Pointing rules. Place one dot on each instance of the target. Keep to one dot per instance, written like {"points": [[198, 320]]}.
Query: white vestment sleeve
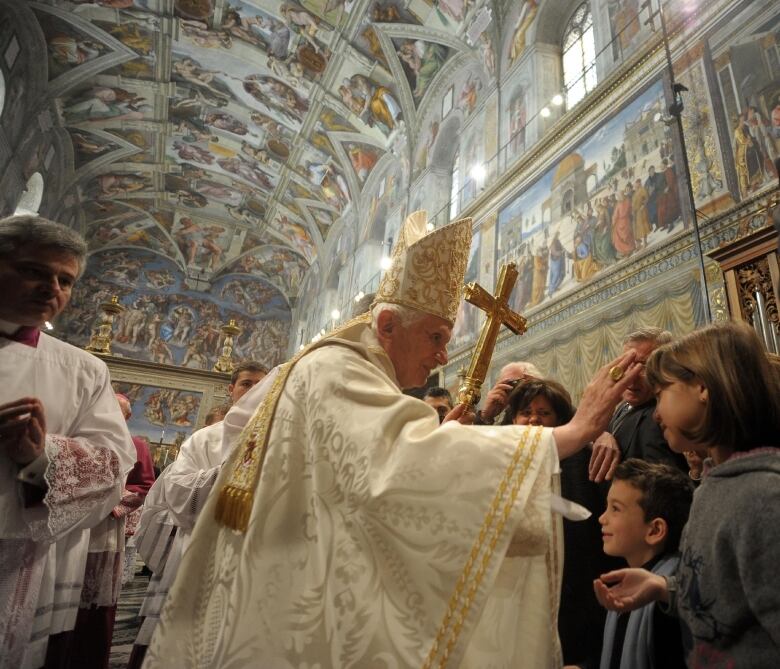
{"points": [[85, 473], [189, 480]]}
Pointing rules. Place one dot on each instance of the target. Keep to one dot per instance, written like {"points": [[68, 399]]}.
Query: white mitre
{"points": [[428, 268]]}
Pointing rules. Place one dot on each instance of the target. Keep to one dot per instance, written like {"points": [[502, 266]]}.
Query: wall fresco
{"points": [[613, 195]]}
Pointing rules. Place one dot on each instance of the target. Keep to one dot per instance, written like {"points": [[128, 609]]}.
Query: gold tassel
{"points": [[234, 507]]}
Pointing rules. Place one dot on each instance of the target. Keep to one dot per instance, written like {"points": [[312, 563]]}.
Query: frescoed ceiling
{"points": [[230, 135]]}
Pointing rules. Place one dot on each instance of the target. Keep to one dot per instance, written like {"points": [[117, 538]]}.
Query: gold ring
{"points": [[616, 373]]}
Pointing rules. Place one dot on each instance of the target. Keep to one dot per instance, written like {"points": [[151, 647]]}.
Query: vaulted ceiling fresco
{"points": [[230, 135]]}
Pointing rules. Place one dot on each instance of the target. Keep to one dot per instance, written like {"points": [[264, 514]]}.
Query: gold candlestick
{"points": [[224, 362], [100, 341]]}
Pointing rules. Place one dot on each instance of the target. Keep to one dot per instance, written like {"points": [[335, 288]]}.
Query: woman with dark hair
{"points": [[539, 402], [580, 618], [717, 391]]}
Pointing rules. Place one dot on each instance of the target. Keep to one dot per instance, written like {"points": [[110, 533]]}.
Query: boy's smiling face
{"points": [[624, 530]]}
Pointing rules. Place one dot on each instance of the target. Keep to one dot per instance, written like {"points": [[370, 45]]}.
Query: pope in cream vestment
{"points": [[377, 538]]}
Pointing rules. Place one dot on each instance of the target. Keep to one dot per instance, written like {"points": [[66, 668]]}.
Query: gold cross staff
{"points": [[498, 314]]}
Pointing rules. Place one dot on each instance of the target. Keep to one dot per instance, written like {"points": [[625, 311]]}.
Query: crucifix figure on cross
{"points": [[498, 314]]}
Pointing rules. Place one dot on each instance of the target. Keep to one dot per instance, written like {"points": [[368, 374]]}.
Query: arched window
{"points": [[455, 186], [30, 201], [579, 56]]}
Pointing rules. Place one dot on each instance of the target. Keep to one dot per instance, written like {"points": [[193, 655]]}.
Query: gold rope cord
{"points": [[458, 610]]}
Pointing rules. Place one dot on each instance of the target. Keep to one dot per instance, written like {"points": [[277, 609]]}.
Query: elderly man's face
{"points": [[639, 392], [36, 284], [415, 350]]}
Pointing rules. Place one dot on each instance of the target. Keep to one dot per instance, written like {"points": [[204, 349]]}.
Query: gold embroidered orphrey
{"points": [[427, 267], [234, 503], [498, 314]]}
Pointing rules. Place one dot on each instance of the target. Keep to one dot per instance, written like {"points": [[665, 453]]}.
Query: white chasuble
{"points": [[88, 453], [377, 538], [169, 514]]}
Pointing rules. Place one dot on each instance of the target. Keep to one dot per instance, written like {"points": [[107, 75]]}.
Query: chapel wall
{"points": [[549, 178]]}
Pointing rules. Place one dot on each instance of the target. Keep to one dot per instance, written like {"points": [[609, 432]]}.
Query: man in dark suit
{"points": [[633, 430]]}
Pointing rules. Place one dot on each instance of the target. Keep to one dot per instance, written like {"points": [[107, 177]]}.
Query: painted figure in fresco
{"points": [[427, 149], [88, 147], [557, 264], [192, 152], [622, 227], [584, 264], [153, 330], [131, 323], [182, 406], [625, 20], [246, 170], [760, 132], [161, 353], [210, 246], [227, 122], [103, 102], [261, 155], [289, 70], [517, 122], [206, 82], [186, 238], [747, 157], [524, 21], [74, 49], [540, 267], [455, 9], [153, 408], [198, 32], [468, 94], [303, 22], [487, 52], [277, 36], [183, 319], [262, 87], [110, 185], [668, 205], [333, 186], [272, 127], [423, 60], [639, 209], [654, 185], [371, 103], [242, 27], [193, 357], [132, 35], [362, 160]]}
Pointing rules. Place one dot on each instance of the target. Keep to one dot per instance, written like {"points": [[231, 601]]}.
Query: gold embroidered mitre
{"points": [[427, 268]]}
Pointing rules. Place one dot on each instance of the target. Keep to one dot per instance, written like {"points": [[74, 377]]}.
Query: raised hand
{"points": [[629, 589], [496, 399], [597, 404]]}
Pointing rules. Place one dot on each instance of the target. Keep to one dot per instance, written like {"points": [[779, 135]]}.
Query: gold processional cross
{"points": [[498, 314]]}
